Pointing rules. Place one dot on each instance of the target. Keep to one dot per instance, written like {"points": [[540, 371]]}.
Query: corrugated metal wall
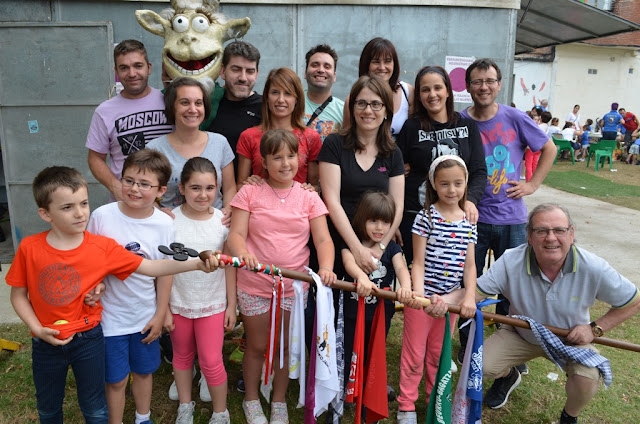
{"points": [[423, 35]]}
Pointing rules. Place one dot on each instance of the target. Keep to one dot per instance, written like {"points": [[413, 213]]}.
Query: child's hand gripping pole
{"points": [[225, 260]]}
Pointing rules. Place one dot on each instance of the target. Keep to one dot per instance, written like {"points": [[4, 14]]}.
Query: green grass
{"points": [[620, 188], [589, 185], [537, 400]]}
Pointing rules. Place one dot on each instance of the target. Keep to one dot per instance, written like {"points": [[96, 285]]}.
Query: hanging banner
{"points": [[456, 67]]}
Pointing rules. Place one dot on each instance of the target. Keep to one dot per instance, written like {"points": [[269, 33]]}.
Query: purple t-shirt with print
{"points": [[505, 138]]}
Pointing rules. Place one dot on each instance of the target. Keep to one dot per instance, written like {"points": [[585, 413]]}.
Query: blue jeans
{"points": [[498, 238], [85, 354]]}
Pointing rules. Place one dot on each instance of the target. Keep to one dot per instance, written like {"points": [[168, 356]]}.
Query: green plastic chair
{"points": [[601, 150], [563, 145]]}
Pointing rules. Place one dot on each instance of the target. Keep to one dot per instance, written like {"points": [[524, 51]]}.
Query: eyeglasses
{"points": [[491, 82], [375, 105], [128, 182], [543, 232]]}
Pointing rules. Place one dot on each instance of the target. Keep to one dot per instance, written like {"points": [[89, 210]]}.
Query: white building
{"points": [[593, 74]]}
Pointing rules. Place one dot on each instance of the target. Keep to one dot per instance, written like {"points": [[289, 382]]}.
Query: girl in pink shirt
{"points": [[271, 223]]}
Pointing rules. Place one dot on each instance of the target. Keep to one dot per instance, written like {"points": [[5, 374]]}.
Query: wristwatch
{"points": [[382, 246], [597, 330]]}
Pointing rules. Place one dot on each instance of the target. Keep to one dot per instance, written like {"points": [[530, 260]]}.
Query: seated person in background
{"points": [[590, 124], [569, 133], [554, 128], [634, 149], [545, 118]]}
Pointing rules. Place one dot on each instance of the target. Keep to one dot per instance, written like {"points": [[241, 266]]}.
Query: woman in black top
{"points": [[435, 129], [362, 157]]}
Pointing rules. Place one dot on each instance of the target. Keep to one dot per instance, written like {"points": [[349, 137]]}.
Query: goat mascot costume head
{"points": [[194, 36]]}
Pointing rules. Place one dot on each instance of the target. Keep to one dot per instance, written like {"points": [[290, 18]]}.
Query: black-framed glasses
{"points": [[142, 186], [543, 232], [491, 82], [375, 105]]}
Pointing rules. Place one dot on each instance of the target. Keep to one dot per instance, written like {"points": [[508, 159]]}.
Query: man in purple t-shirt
{"points": [[506, 133], [127, 122]]}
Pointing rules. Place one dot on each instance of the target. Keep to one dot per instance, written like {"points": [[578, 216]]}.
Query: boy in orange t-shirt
{"points": [[50, 276]]}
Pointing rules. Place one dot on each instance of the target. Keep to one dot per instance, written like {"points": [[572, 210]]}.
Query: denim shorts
{"points": [[127, 353]]}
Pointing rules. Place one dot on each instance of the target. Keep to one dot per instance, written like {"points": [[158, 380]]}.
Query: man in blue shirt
{"points": [[609, 123]]}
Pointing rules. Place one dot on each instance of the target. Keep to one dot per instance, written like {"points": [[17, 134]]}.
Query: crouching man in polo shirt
{"points": [[554, 282]]}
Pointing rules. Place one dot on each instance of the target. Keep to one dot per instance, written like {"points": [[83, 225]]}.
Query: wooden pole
{"points": [[391, 295]]}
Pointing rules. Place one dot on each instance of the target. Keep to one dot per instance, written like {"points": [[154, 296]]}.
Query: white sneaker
{"points": [[185, 413], [407, 417], [279, 413], [205, 396], [454, 367], [220, 418], [253, 412], [173, 390]]}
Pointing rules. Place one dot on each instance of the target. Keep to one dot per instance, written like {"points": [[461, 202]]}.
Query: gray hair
{"points": [[546, 207]]}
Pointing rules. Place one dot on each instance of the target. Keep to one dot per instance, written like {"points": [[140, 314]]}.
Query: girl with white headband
{"points": [[443, 238]]}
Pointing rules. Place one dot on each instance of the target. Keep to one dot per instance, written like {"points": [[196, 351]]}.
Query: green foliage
{"points": [[589, 185]]}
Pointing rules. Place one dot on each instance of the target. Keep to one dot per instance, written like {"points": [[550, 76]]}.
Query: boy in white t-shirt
{"points": [[132, 318]]}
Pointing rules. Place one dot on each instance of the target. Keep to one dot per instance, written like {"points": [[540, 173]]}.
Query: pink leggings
{"points": [[422, 337], [207, 335]]}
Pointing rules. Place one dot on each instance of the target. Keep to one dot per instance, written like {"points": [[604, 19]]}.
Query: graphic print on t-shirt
{"points": [[376, 277], [134, 247], [323, 127], [59, 284], [136, 130], [499, 162], [444, 145]]}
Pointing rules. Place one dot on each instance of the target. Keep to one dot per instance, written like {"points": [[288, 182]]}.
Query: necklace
{"points": [[282, 199]]}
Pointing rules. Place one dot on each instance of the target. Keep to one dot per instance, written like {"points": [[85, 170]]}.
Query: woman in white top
{"points": [[574, 117], [569, 133], [380, 59]]}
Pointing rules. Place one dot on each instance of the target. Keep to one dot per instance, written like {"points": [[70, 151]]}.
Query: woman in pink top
{"points": [[271, 222], [282, 108]]}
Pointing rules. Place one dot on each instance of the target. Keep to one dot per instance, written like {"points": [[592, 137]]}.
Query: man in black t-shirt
{"points": [[241, 107]]}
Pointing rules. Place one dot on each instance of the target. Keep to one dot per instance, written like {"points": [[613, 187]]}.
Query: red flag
{"points": [[354, 386], [375, 388]]}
